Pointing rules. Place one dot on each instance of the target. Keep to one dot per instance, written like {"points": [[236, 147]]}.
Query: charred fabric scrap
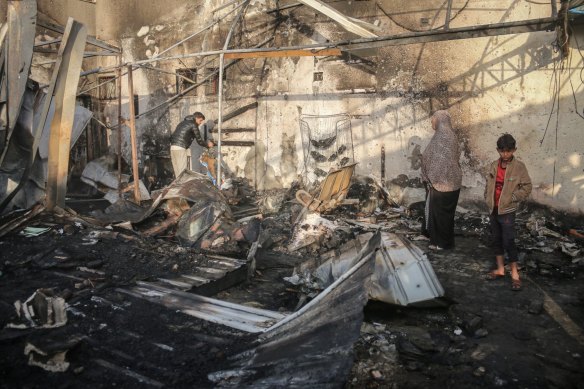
{"points": [[200, 211]]}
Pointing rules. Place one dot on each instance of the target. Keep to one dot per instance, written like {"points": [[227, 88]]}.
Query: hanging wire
{"points": [[558, 69], [580, 75], [554, 98], [418, 30]]}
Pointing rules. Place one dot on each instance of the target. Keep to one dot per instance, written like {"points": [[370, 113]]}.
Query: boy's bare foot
{"points": [[495, 275], [515, 284]]}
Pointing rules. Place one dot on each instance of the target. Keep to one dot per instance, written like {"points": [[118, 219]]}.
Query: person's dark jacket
{"points": [[185, 132]]}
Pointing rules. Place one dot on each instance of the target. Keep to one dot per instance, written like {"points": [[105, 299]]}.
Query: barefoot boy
{"points": [[508, 183]]}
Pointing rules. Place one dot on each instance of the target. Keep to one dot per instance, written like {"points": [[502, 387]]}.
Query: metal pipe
{"points": [[119, 129], [225, 5], [195, 34], [448, 11], [220, 96], [177, 96], [220, 118], [467, 32], [91, 71]]}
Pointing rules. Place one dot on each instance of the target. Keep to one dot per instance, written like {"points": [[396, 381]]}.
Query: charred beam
{"points": [[65, 85], [286, 53], [243, 143], [239, 111], [484, 30], [234, 130], [90, 39]]}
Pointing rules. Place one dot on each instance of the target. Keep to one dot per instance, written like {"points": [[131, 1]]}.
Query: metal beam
{"points": [[20, 41], [90, 39], [286, 53], [239, 111], [543, 24], [62, 124], [340, 18], [235, 130], [448, 12], [242, 143], [87, 53], [58, 40], [484, 30], [220, 92]]}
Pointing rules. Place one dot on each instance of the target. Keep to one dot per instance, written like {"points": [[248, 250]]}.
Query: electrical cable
{"points": [[424, 30], [554, 78], [580, 74]]}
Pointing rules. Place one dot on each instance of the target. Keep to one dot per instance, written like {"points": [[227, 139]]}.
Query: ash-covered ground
{"points": [[481, 334]]}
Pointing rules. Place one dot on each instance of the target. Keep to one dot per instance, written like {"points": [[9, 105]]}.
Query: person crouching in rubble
{"points": [[442, 176], [182, 138], [508, 184]]}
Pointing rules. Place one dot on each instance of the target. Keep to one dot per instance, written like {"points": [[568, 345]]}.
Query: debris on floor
{"points": [[250, 289], [43, 309], [100, 174]]}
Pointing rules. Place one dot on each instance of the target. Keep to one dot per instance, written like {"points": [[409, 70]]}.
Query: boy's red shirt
{"points": [[499, 181]]}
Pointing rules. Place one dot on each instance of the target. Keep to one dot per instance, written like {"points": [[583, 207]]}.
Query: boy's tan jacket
{"points": [[516, 188]]}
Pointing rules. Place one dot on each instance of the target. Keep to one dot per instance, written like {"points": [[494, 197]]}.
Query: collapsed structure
{"points": [[320, 112]]}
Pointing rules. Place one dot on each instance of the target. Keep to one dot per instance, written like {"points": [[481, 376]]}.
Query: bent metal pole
{"points": [[220, 96]]}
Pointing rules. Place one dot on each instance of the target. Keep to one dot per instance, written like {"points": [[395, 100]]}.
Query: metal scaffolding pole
{"points": [[119, 127], [220, 96], [133, 137]]}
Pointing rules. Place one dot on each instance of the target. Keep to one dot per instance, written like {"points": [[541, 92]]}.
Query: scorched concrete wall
{"points": [[510, 83]]}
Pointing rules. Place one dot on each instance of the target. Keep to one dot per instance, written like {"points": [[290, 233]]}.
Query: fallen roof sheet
{"points": [[236, 316], [403, 274], [312, 347]]}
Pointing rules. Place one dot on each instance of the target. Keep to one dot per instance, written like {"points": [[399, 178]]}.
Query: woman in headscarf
{"points": [[443, 177]]}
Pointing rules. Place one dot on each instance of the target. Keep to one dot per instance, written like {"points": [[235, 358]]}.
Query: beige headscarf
{"points": [[440, 166]]}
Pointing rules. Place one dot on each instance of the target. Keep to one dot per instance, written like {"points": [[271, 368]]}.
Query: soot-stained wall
{"points": [[510, 83]]}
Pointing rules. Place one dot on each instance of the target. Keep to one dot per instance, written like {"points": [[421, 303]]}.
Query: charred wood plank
{"points": [[233, 130], [238, 143], [90, 39], [239, 111], [230, 279], [12, 225]]}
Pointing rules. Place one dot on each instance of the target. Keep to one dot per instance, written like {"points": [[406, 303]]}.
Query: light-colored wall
{"points": [[58, 11], [491, 85]]}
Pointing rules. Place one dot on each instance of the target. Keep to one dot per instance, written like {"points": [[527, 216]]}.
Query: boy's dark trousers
{"points": [[503, 230]]}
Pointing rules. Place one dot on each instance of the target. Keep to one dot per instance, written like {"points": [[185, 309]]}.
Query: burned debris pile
{"points": [[83, 275], [235, 283]]}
